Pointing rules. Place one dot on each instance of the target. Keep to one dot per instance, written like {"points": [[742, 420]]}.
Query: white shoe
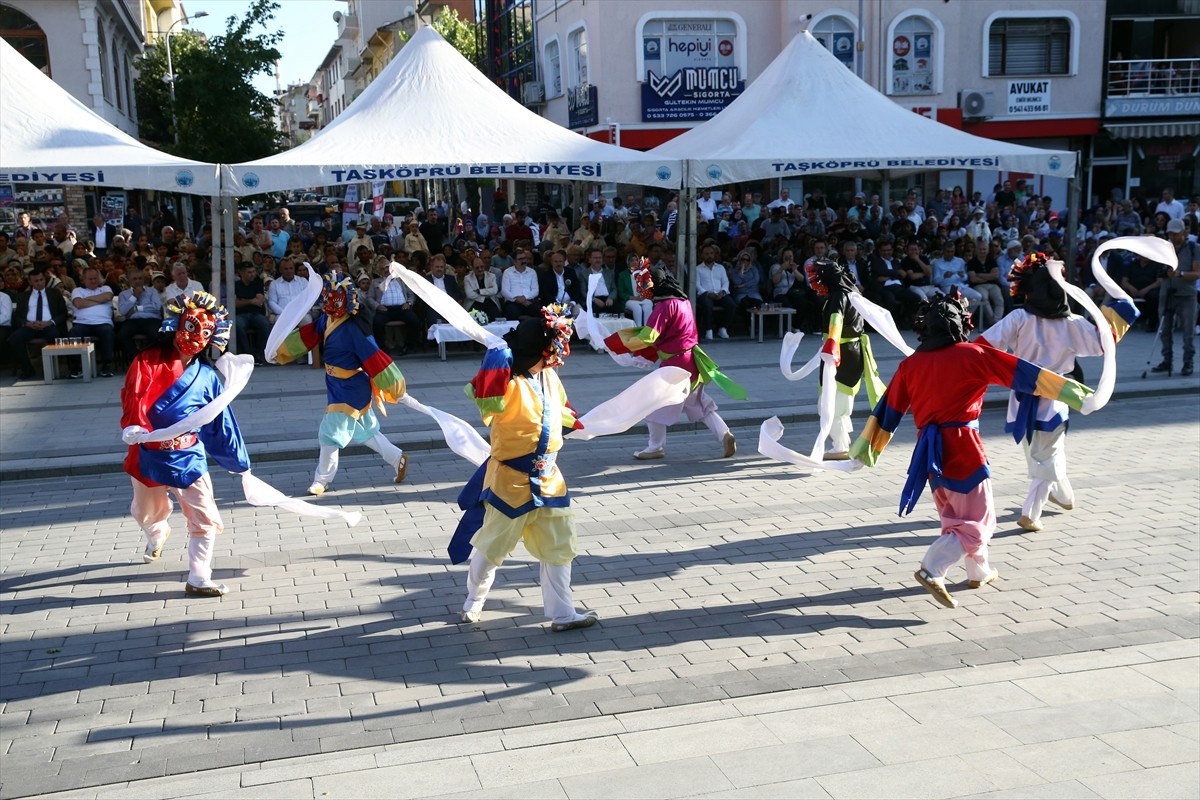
{"points": [[723, 334], [649, 455], [471, 617], [585, 620], [708, 336], [730, 445], [317, 488], [154, 547]]}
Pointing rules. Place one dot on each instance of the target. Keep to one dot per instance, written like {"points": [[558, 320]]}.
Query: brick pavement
{"points": [[715, 581]]}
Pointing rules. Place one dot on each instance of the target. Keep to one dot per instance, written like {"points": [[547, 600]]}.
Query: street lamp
{"points": [[170, 76]]}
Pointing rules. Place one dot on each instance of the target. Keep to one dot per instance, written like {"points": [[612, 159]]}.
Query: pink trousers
{"points": [[968, 522], [151, 507]]}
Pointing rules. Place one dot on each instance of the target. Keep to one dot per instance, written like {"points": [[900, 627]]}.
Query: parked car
{"points": [[398, 207]]}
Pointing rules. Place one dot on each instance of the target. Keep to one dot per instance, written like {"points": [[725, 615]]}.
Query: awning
{"points": [[1151, 130]]}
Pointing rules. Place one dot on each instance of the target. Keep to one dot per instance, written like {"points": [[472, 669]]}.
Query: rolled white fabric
{"points": [[881, 320], [791, 343], [260, 493], [444, 305], [236, 372], [1151, 247], [293, 312], [768, 444], [826, 401], [462, 439], [664, 387]]}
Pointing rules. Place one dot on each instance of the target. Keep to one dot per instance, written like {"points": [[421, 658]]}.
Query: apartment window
{"points": [[671, 44], [837, 34], [914, 57], [102, 46], [578, 44], [25, 36], [552, 67], [1029, 46]]}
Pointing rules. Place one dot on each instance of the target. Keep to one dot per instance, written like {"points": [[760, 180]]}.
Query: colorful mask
{"points": [[197, 321], [643, 284], [338, 297]]}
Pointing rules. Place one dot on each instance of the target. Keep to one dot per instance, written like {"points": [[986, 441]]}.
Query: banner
{"points": [[1028, 97], [583, 107], [112, 208], [350, 205], [377, 189], [690, 94]]}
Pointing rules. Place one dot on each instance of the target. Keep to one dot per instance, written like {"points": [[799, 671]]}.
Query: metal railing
{"points": [[1140, 78]]}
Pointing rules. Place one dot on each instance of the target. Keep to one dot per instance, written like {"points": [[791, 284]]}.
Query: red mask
{"points": [[195, 331], [334, 304]]}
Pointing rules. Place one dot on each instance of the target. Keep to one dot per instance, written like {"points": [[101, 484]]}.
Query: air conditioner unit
{"points": [[535, 92], [977, 103]]}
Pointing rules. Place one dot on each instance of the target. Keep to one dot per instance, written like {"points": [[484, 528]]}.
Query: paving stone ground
{"points": [[720, 584]]}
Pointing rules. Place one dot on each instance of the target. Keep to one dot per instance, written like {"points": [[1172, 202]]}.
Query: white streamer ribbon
{"points": [[768, 444], [462, 439], [881, 320], [596, 333], [293, 312], [1153, 248], [235, 370], [444, 305], [666, 386], [260, 493]]}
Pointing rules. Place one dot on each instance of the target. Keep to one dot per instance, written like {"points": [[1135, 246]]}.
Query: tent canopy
{"points": [[47, 136], [807, 114], [432, 115]]}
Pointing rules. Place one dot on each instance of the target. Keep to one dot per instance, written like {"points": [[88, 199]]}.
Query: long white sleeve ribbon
{"points": [[596, 333], [881, 320], [293, 312], [260, 493], [462, 439], [235, 370], [666, 386], [444, 305], [768, 444], [1153, 248]]}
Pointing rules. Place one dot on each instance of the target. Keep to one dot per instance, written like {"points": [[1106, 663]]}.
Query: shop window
{"points": [[552, 69], [914, 56], [25, 36], [577, 42], [1029, 46], [669, 44], [836, 33]]}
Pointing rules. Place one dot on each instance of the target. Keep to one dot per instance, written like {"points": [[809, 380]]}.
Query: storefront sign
{"points": [[583, 107], [689, 94], [1028, 97], [1151, 106], [927, 110]]}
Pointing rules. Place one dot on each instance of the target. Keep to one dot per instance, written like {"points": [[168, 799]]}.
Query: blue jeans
{"points": [[260, 327]]}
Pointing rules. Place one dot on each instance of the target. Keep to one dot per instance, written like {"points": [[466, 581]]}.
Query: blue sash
{"points": [[1025, 422], [926, 461]]}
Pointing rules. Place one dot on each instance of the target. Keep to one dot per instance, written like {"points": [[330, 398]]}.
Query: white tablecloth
{"points": [[442, 333]]}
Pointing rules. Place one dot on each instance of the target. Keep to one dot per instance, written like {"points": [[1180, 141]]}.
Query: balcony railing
{"points": [[1173, 76]]}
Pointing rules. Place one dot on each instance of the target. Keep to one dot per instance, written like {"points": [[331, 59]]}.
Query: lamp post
{"points": [[170, 76]]}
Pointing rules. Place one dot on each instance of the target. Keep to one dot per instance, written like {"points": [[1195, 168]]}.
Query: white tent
{"points": [[807, 114], [49, 137], [432, 115]]}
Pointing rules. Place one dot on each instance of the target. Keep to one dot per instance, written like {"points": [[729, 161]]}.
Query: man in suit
{"points": [[40, 313], [559, 284], [443, 280], [885, 285], [102, 234]]}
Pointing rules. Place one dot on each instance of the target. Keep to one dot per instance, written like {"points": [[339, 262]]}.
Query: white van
{"points": [[398, 207]]}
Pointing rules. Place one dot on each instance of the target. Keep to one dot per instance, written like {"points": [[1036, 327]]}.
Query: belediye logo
{"points": [[184, 178], [1055, 163], [250, 180], [663, 173]]}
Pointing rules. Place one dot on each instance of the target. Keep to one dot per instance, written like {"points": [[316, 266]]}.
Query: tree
{"points": [[220, 116], [462, 35]]}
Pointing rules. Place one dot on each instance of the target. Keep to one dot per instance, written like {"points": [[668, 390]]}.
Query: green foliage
{"points": [[461, 34], [221, 116]]}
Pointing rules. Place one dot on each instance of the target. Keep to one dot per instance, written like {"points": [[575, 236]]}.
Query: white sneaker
{"points": [[722, 333], [317, 488], [708, 336], [648, 454], [154, 547]]}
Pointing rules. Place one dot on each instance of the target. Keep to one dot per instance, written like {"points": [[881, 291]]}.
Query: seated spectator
{"points": [[284, 289], [558, 284], [885, 285], [142, 309], [983, 273], [6, 320], [787, 280], [714, 306], [916, 272], [414, 241], [744, 281], [251, 304], [444, 281], [519, 288], [14, 282], [636, 307], [38, 313], [181, 283], [395, 303], [366, 303], [605, 299], [950, 272], [94, 318], [977, 228], [482, 290], [853, 261]]}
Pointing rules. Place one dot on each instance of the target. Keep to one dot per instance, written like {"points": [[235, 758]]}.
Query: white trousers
{"points": [[712, 420], [1046, 459], [841, 427], [947, 550], [640, 309], [557, 601], [327, 462]]}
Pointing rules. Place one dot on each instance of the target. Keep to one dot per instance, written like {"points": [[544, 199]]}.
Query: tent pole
{"points": [[693, 243], [231, 303], [1069, 254], [216, 203], [681, 222]]}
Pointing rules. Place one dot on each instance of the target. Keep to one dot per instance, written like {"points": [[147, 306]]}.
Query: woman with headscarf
{"points": [[943, 384], [1043, 330], [518, 493], [670, 339]]}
